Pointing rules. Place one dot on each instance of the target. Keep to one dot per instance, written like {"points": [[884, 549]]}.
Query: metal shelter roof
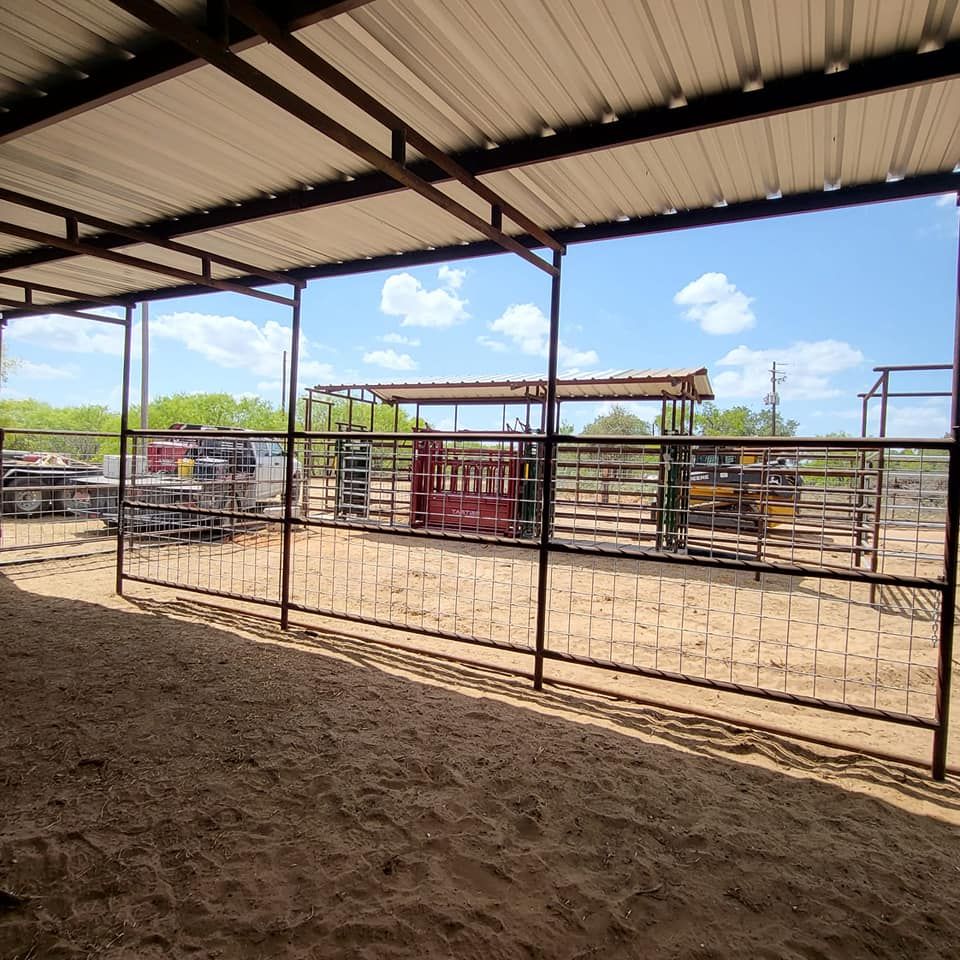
{"points": [[592, 117], [691, 383]]}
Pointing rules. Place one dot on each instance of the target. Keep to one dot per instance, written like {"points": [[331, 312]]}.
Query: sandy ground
{"points": [[800, 636], [174, 787]]}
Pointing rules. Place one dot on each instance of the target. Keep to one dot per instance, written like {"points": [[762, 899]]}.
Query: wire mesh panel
{"points": [[806, 571], [45, 479], [204, 510], [798, 637], [442, 543]]}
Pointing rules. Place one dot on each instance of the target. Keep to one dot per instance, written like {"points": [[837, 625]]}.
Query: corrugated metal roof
{"points": [[466, 73], [690, 382]]}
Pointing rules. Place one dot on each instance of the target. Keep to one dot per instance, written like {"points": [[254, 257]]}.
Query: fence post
{"points": [[286, 555], [546, 481], [951, 542], [124, 427]]}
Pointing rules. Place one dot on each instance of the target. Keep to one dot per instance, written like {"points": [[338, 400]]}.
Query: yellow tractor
{"points": [[742, 489]]}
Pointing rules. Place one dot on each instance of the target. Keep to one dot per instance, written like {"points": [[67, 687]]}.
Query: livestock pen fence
{"points": [[625, 560], [44, 476]]}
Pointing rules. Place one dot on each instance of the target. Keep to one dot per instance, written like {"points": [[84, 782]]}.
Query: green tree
{"points": [[214, 410], [618, 422], [739, 421]]}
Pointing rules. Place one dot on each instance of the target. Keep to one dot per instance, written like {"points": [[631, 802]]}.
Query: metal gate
{"points": [[465, 489], [353, 478]]}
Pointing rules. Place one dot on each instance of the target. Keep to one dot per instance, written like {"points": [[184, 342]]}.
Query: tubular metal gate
{"points": [[778, 588]]}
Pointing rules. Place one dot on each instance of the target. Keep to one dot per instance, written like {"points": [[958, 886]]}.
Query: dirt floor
{"points": [[175, 781]]}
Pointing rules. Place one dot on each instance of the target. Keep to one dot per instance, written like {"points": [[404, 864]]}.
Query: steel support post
{"points": [[124, 427], [286, 554], [546, 480], [951, 542]]}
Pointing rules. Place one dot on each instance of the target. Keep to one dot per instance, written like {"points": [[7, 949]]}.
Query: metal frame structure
{"points": [[185, 46], [881, 391]]}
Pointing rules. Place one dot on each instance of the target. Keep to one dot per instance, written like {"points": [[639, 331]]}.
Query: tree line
{"points": [[708, 421], [255, 413], [206, 409]]}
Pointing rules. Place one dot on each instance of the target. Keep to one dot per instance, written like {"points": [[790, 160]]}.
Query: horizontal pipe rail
{"points": [[764, 693], [850, 575]]}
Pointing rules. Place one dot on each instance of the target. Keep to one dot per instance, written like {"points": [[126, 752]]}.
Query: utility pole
{"points": [[283, 385], [773, 398]]}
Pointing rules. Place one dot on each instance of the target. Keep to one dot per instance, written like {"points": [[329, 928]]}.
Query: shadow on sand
{"points": [[171, 787]]}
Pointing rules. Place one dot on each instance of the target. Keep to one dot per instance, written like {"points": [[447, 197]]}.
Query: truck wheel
{"points": [[25, 497]]}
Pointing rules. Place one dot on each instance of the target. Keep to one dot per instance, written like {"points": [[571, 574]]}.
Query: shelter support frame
{"points": [[216, 51], [549, 440]]}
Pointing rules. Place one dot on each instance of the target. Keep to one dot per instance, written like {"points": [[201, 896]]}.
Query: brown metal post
{"points": [[286, 552], [951, 541], [124, 428], [878, 499], [394, 515], [546, 480]]}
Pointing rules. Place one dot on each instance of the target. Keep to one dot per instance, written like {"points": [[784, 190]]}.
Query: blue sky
{"points": [[827, 295]]}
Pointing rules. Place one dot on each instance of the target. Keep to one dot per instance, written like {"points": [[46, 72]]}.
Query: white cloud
{"points": [[390, 359], [401, 339], [808, 366], [946, 200], [492, 344], [235, 343], [69, 334], [404, 296], [451, 277], [28, 370], [528, 327], [268, 389], [930, 418], [716, 304]]}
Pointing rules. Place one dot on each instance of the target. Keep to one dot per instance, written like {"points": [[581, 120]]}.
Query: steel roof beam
{"points": [[161, 19], [925, 185], [803, 91], [74, 244], [66, 311], [135, 235], [28, 288], [163, 61], [404, 135]]}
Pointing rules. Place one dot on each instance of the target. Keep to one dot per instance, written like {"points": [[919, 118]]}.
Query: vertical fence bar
{"points": [[951, 541], [878, 499], [285, 556], [124, 427], [546, 481]]}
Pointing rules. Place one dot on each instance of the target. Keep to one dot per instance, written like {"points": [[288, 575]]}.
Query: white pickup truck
{"points": [[212, 472]]}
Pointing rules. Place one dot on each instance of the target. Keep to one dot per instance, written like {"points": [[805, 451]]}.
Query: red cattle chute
{"points": [[465, 489]]}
